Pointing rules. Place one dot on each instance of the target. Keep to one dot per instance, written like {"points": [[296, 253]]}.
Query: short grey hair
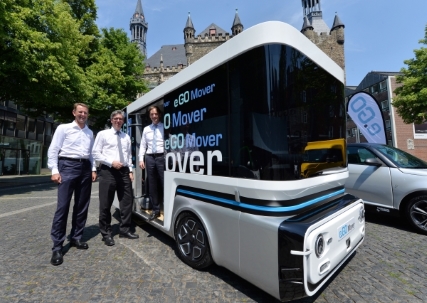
{"points": [[117, 112]]}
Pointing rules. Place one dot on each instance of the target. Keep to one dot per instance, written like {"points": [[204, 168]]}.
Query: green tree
{"points": [[115, 76], [411, 99], [40, 47]]}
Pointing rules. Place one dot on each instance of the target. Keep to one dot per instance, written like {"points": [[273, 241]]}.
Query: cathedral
{"points": [[171, 59]]}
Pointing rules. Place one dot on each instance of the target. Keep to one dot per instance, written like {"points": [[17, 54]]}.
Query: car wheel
{"points": [[416, 213], [192, 241]]}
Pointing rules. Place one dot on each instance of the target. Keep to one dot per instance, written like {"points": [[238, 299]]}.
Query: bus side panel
{"points": [[221, 225], [259, 251]]}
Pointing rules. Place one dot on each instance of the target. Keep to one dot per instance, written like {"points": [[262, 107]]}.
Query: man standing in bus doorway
{"points": [[112, 149], [152, 147], [73, 170]]}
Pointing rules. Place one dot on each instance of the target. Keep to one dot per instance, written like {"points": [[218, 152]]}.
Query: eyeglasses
{"points": [[118, 119]]}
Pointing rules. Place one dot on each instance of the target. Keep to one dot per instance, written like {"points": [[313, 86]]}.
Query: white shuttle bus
{"points": [[255, 162]]}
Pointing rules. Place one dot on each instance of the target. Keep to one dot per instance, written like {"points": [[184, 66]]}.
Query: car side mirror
{"points": [[373, 162]]}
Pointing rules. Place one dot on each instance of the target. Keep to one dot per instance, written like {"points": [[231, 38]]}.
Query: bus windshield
{"points": [[253, 116]]}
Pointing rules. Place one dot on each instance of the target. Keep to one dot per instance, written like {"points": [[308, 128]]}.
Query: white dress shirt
{"points": [[70, 141], [105, 149], [146, 146]]}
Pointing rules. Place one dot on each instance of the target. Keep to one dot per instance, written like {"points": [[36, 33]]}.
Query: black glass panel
{"points": [[282, 103], [196, 125]]}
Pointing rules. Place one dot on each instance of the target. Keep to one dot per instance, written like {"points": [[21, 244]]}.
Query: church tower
{"points": [[138, 28], [331, 41], [189, 32]]}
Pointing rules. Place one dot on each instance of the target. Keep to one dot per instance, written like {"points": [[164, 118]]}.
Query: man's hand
{"points": [[141, 164], [56, 178], [117, 165], [131, 176], [93, 176]]}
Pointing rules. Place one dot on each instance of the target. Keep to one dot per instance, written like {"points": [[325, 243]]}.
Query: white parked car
{"points": [[390, 180]]}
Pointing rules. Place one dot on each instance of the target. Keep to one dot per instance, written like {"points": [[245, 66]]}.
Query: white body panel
{"points": [[336, 247]]}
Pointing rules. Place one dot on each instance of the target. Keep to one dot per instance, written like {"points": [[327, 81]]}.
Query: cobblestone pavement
{"points": [[390, 266]]}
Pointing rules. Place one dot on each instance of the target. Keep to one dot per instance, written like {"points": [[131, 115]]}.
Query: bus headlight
{"points": [[319, 246], [361, 214]]}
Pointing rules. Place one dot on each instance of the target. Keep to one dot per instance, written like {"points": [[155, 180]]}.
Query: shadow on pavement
{"points": [[19, 188], [389, 221]]}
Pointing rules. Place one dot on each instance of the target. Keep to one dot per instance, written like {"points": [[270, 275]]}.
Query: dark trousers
{"points": [[155, 165], [113, 180], [76, 177]]}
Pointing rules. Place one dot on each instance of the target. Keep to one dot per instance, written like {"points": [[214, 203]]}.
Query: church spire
{"points": [[237, 26], [139, 28], [138, 9], [189, 30]]}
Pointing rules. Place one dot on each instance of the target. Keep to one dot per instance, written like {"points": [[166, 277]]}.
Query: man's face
{"points": [[154, 116], [117, 121], [81, 114]]}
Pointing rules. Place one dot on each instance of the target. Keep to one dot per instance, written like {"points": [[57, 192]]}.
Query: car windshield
{"points": [[401, 158]]}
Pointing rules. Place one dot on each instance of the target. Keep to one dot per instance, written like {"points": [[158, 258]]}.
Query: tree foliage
{"points": [[53, 55], [116, 74], [411, 100], [40, 43]]}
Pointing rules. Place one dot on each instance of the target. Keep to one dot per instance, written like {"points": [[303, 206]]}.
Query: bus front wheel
{"points": [[192, 241]]}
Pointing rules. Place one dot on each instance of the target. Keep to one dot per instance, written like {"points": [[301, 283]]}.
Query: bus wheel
{"points": [[192, 241]]}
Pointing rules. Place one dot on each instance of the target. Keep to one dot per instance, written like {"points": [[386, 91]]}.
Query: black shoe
{"points": [[153, 216], [57, 258], [78, 244], [128, 235], [108, 240]]}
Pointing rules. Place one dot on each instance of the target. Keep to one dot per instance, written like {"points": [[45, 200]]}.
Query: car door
{"points": [[371, 183]]}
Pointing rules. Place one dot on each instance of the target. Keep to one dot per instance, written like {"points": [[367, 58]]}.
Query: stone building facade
{"points": [[171, 59], [330, 41]]}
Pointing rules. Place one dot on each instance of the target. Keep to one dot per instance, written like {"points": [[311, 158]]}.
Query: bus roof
{"points": [[260, 34]]}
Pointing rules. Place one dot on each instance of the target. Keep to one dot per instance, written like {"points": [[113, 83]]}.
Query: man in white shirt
{"points": [[112, 149], [152, 147], [73, 169]]}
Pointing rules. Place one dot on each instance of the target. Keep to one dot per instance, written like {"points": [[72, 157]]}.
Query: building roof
{"points": [[350, 90], [236, 20], [219, 30], [138, 8], [319, 25], [172, 56], [306, 24], [189, 23], [337, 22], [374, 77]]}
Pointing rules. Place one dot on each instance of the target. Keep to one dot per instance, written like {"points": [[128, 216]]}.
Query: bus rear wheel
{"points": [[192, 241]]}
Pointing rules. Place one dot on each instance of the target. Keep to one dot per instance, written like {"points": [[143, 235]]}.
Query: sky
{"points": [[379, 34]]}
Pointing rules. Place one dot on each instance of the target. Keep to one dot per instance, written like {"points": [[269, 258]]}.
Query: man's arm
{"points": [[53, 153], [97, 150], [142, 149]]}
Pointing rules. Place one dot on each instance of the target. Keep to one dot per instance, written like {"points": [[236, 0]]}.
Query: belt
{"points": [[156, 155], [74, 159]]}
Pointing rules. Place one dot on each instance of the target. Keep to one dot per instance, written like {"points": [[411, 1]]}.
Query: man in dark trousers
{"points": [[112, 149], [152, 147], [73, 169]]}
